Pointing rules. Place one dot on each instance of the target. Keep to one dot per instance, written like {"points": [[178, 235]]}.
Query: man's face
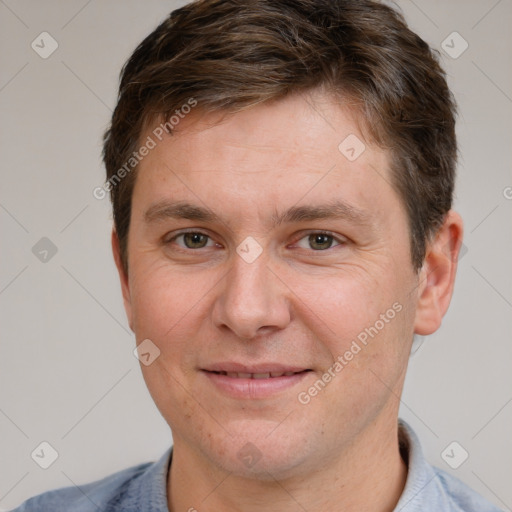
{"points": [[263, 285]]}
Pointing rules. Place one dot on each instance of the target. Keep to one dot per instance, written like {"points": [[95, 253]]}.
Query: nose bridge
{"points": [[251, 298]]}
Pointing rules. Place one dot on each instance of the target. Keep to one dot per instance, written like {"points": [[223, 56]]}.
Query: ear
{"points": [[123, 277], [437, 276]]}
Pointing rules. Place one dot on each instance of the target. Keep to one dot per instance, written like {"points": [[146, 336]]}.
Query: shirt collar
{"points": [[151, 489], [421, 485]]}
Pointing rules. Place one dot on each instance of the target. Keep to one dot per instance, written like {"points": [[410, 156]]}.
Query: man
{"points": [[281, 176]]}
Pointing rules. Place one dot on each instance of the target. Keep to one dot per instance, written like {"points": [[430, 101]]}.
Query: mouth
{"points": [[261, 375], [259, 382]]}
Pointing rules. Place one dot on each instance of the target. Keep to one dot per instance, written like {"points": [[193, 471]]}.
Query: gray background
{"points": [[67, 372]]}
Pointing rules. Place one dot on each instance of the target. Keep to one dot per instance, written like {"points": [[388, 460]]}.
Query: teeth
{"points": [[260, 375], [239, 375]]}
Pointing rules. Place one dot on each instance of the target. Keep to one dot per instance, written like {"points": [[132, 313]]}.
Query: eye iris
{"points": [[194, 240], [319, 239]]}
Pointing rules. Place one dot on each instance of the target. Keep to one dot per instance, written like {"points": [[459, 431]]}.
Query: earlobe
{"points": [[437, 276], [123, 277]]}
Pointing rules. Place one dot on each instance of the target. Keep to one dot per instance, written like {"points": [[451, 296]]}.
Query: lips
{"points": [[250, 382]]}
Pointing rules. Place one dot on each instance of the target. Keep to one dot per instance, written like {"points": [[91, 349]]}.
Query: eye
{"points": [[192, 240], [318, 241]]}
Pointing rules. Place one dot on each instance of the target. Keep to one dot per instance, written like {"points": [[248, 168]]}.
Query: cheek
{"points": [[165, 301], [364, 319], [344, 303], [169, 309]]}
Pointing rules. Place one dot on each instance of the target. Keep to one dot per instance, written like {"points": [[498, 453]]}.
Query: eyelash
{"points": [[335, 238]]}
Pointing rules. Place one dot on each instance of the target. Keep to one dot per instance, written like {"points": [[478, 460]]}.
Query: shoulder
{"points": [[90, 497], [137, 488], [429, 488], [461, 497]]}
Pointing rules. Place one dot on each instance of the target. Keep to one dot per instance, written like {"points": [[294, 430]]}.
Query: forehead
{"points": [[301, 125], [301, 149]]}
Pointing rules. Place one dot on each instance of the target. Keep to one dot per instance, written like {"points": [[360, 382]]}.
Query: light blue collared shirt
{"points": [[143, 488]]}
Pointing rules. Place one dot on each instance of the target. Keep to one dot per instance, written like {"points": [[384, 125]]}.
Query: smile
{"points": [[258, 384]]}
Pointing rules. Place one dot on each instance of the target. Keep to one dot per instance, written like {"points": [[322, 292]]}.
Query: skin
{"points": [[301, 303]]}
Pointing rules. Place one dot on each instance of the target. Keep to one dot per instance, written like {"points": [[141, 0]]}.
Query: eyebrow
{"points": [[337, 210]]}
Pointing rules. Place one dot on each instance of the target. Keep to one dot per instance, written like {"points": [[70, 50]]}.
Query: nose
{"points": [[252, 300]]}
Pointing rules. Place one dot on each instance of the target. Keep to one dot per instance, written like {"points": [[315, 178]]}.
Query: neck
{"points": [[368, 476]]}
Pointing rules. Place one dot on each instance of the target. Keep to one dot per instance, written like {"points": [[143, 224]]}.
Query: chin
{"points": [[257, 451]]}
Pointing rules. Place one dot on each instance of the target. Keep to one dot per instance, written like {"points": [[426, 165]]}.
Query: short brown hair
{"points": [[233, 54]]}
